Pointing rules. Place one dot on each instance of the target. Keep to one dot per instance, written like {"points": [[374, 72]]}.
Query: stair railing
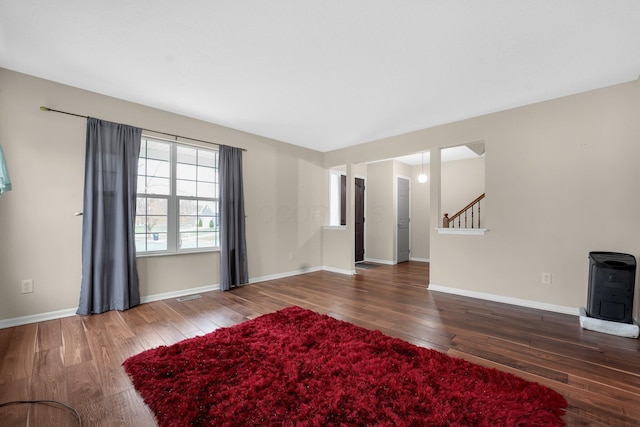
{"points": [[463, 216]]}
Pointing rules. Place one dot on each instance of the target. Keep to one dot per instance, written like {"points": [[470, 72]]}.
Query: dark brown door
{"points": [[359, 219]]}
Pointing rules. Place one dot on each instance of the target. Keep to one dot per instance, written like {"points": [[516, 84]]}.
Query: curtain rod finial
{"points": [[43, 108]]}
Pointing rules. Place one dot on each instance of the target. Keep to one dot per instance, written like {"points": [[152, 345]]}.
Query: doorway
{"points": [[358, 213]]}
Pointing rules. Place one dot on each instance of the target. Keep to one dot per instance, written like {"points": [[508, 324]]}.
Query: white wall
{"points": [[285, 197]]}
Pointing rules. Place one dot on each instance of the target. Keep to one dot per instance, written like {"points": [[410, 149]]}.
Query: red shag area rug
{"points": [[295, 367]]}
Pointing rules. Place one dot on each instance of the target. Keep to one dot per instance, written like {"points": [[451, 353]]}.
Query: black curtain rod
{"points": [[43, 108]]}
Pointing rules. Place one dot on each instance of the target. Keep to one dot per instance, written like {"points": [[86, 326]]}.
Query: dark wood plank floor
{"points": [[77, 360]]}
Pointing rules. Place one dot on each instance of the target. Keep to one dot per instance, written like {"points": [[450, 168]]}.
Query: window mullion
{"points": [[174, 217]]}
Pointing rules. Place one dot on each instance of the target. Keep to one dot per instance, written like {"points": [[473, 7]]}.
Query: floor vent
{"points": [[188, 298]]}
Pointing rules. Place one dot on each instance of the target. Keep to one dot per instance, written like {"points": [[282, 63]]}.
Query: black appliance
{"points": [[611, 285]]}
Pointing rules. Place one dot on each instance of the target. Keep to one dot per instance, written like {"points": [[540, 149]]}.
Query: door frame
{"points": [[364, 216]]}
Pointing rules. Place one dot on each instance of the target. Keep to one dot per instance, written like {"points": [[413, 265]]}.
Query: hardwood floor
{"points": [[77, 360]]}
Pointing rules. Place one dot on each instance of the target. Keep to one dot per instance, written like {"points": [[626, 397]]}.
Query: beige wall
{"points": [[337, 241], [380, 212], [360, 170], [285, 195], [561, 180], [381, 209], [462, 182], [420, 205], [400, 170]]}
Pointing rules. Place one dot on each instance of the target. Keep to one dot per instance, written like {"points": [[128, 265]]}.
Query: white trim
{"points": [[574, 311], [380, 261], [283, 275], [334, 227], [364, 207], [334, 198], [178, 294], [468, 231], [419, 259], [182, 252], [52, 315], [35, 318], [339, 270], [59, 314]]}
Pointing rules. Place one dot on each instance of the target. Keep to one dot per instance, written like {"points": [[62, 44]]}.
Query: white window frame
{"points": [[173, 203], [335, 204]]}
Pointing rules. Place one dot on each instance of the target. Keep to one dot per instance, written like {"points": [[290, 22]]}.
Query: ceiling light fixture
{"points": [[422, 178]]}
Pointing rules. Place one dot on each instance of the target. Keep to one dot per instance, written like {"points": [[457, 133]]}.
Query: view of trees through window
{"points": [[177, 203]]}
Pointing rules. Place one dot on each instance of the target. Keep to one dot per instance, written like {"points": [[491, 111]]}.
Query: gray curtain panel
{"points": [[233, 246], [109, 274]]}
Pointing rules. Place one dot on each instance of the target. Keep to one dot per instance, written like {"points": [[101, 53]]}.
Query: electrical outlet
{"points": [[27, 286], [546, 278]]}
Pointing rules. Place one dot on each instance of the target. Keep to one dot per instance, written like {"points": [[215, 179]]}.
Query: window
{"points": [[177, 203], [335, 204], [338, 198]]}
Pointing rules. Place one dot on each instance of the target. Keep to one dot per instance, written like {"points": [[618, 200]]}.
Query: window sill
{"points": [[467, 231], [185, 252], [334, 227]]}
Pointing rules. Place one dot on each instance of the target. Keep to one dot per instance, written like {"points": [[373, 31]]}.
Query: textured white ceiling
{"points": [[325, 74]]}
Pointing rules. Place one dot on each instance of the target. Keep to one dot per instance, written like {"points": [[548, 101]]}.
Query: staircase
{"points": [[467, 217]]}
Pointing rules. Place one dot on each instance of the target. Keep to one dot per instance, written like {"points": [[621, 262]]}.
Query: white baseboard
{"points": [[285, 274], [59, 314], [380, 261], [178, 294], [52, 315], [574, 311], [35, 318], [339, 270], [387, 262]]}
